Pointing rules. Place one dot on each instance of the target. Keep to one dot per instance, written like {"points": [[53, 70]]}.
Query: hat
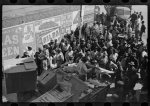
{"points": [[131, 63]]}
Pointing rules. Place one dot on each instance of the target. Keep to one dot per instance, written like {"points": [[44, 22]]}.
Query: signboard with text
{"points": [[28, 37], [10, 42], [16, 39], [54, 34], [53, 28]]}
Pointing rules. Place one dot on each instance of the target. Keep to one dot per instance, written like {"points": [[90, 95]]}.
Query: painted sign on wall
{"points": [[46, 24], [51, 35], [10, 42], [28, 37], [16, 39]]}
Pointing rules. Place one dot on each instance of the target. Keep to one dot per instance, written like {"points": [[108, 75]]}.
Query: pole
{"points": [[80, 22]]}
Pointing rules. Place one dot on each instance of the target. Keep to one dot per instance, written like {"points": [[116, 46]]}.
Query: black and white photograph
{"points": [[74, 53]]}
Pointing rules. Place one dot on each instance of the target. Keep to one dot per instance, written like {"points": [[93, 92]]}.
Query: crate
{"points": [[47, 81]]}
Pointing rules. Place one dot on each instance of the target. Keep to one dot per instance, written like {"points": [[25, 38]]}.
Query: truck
{"points": [[123, 12]]}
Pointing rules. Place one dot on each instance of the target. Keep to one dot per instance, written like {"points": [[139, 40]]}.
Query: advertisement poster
{"points": [[44, 28], [11, 42], [28, 37], [55, 27], [16, 39]]}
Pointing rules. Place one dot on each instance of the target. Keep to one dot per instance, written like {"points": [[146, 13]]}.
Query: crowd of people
{"points": [[117, 47]]}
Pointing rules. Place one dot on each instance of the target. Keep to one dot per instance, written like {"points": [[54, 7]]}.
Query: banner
{"points": [[44, 28], [52, 35]]}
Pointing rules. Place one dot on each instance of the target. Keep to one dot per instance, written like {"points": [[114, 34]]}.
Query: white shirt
{"points": [[144, 53], [70, 53], [60, 54], [82, 68], [51, 64], [109, 44], [31, 53], [114, 56]]}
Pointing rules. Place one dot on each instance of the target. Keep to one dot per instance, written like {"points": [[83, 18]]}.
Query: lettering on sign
{"points": [[28, 34], [9, 51], [10, 43], [65, 30], [52, 35]]}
